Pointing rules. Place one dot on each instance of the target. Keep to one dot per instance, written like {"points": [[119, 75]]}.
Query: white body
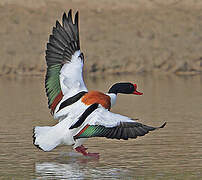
{"points": [[47, 138], [71, 81]]}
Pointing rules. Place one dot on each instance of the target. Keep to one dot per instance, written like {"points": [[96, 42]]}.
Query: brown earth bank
{"points": [[130, 36]]}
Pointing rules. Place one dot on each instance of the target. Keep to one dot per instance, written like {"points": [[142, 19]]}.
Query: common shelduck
{"points": [[81, 113]]}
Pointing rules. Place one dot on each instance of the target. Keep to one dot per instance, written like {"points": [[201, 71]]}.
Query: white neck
{"points": [[113, 98]]}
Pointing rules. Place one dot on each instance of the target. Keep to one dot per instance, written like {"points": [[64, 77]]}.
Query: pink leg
{"points": [[81, 149]]}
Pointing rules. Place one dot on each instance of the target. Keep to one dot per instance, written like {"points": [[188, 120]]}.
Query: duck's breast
{"points": [[97, 97]]}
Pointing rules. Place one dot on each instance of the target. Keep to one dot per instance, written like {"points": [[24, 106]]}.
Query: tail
{"points": [[47, 138]]}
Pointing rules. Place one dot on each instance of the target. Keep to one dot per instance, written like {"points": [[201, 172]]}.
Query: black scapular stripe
{"points": [[83, 117], [71, 100]]}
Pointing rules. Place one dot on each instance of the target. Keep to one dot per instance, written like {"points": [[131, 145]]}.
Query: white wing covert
{"points": [[103, 123]]}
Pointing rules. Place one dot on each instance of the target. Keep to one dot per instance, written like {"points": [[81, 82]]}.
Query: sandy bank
{"points": [[130, 36]]}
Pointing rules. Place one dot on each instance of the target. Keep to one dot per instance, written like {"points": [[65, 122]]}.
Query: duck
{"points": [[81, 114]]}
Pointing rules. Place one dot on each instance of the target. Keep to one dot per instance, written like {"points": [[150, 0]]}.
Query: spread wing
{"points": [[64, 61], [103, 123]]}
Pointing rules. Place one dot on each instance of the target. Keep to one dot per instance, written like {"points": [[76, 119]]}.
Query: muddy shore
{"points": [[130, 36]]}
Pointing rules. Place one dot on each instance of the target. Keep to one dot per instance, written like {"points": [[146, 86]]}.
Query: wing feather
{"points": [[54, 49], [102, 123], [63, 49]]}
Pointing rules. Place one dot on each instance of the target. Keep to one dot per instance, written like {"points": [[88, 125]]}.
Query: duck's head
{"points": [[125, 88]]}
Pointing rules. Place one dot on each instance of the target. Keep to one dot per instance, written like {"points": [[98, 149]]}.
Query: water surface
{"points": [[174, 152]]}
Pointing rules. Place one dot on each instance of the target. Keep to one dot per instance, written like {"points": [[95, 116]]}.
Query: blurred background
{"points": [[130, 36], [154, 43]]}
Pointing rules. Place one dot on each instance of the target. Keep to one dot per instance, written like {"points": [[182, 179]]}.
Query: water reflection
{"points": [[59, 170], [74, 166]]}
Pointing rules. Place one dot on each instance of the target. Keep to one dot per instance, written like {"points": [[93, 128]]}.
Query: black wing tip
{"points": [[57, 24], [69, 18], [70, 14], [76, 18], [163, 125], [34, 139], [64, 17]]}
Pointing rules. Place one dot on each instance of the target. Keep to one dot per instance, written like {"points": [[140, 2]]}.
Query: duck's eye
{"points": [[81, 56]]}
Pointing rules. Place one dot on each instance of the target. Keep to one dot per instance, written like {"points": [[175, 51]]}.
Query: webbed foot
{"points": [[81, 149]]}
